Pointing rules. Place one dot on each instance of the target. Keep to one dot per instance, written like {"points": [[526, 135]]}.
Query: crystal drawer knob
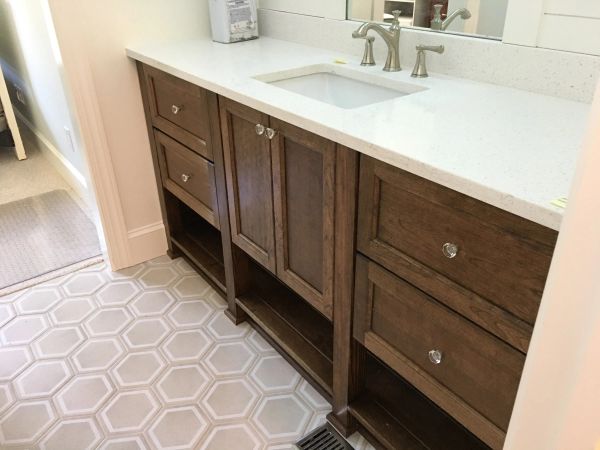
{"points": [[260, 129], [450, 250], [435, 356], [185, 177], [271, 133], [176, 109]]}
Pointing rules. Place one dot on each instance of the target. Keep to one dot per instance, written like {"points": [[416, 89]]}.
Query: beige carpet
{"points": [[42, 234]]}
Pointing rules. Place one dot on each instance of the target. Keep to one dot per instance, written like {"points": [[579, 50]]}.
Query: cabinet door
{"points": [[303, 188], [247, 157]]}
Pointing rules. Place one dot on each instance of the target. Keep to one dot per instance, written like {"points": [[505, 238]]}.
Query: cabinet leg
{"points": [[348, 355], [240, 282], [173, 253]]}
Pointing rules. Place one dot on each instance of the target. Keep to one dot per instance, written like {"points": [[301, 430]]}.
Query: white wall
{"points": [[92, 36], [558, 405], [560, 25], [333, 9], [31, 62]]}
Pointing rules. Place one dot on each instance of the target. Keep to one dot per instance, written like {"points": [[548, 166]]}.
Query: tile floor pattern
{"points": [[143, 359]]}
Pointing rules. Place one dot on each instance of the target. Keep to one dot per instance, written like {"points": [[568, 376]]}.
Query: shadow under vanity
{"points": [[409, 306]]}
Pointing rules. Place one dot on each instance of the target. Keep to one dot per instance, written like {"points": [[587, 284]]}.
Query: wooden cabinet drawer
{"points": [[180, 109], [188, 176], [478, 376], [501, 257]]}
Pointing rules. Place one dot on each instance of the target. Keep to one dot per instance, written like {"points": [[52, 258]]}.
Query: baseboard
{"points": [[63, 166], [147, 242]]}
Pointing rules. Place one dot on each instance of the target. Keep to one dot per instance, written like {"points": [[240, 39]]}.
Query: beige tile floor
{"points": [[143, 359]]}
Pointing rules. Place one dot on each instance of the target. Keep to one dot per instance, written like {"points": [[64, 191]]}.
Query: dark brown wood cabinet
{"points": [[304, 190], [188, 176], [502, 258], [281, 187], [460, 366], [248, 170], [449, 293], [180, 109], [406, 304]]}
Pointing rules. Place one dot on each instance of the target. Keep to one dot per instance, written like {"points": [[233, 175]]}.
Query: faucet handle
{"points": [[368, 59], [420, 70], [430, 48]]}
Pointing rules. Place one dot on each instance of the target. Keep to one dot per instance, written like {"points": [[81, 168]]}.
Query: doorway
{"points": [[49, 223]]}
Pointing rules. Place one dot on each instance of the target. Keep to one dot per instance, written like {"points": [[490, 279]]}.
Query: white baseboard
{"points": [[147, 242], [63, 166]]}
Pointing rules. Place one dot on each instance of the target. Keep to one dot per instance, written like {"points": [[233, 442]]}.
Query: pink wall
{"points": [[558, 405], [93, 36]]}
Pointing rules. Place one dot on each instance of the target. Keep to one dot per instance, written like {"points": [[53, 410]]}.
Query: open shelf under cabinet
{"points": [[200, 243], [292, 326]]}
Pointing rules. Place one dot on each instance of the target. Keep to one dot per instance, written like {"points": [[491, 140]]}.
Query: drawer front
{"points": [[181, 110], [188, 176], [478, 376], [503, 258]]}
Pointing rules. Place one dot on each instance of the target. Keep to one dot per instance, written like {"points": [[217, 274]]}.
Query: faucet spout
{"points": [[438, 24], [391, 36], [464, 14]]}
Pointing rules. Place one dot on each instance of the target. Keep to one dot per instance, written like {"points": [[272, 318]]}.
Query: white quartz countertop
{"points": [[512, 149]]}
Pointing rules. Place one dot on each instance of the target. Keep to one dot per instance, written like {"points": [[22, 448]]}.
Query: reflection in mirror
{"points": [[483, 18]]}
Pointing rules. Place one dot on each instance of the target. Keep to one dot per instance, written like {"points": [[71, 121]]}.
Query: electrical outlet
{"points": [[20, 94], [70, 138]]}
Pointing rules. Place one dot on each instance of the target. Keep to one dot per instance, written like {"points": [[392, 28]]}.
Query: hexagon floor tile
{"points": [[178, 428], [84, 394], [144, 333], [230, 399], [129, 411], [233, 358], [238, 436], [72, 311], [23, 330], [138, 369], [42, 379], [37, 301], [80, 434], [143, 359], [182, 383], [58, 342], [186, 346], [274, 374], [152, 303], [14, 360], [117, 293], [282, 417], [25, 422]]}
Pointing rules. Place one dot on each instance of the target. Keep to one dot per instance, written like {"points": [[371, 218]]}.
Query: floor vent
{"points": [[323, 438]]}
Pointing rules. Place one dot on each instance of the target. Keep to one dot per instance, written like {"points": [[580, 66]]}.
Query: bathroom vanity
{"points": [[395, 253]]}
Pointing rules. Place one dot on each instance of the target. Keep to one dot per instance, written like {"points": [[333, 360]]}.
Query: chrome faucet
{"points": [[391, 37], [438, 24]]}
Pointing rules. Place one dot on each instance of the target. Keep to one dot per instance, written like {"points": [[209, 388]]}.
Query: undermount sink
{"points": [[338, 86]]}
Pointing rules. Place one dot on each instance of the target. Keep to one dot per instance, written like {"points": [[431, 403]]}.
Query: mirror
{"points": [[483, 18]]}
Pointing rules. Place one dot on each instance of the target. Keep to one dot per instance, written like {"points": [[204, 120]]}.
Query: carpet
{"points": [[43, 234]]}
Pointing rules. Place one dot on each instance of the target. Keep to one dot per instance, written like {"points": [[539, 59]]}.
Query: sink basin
{"points": [[342, 87]]}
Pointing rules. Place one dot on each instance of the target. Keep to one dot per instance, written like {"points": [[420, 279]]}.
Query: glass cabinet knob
{"points": [[185, 177], [260, 129], [450, 250], [271, 133], [435, 356], [176, 109]]}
